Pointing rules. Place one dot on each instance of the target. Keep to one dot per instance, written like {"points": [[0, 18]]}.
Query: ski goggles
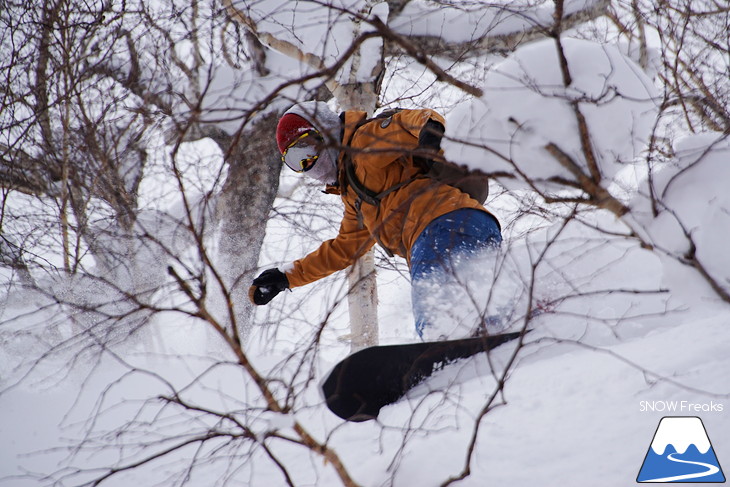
{"points": [[303, 152]]}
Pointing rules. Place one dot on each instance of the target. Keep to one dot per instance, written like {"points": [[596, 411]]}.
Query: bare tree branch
{"points": [[502, 43], [598, 195]]}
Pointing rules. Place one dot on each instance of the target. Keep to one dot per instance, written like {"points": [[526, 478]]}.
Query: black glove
{"points": [[269, 283]]}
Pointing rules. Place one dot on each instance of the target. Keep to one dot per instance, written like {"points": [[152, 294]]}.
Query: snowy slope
{"points": [[573, 415], [576, 398]]}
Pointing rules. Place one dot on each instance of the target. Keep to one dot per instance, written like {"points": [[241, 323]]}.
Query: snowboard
{"points": [[365, 381]]}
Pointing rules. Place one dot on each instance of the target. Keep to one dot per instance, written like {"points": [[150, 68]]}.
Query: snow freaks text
{"points": [[680, 407]]}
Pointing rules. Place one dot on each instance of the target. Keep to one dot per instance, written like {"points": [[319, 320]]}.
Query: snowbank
{"points": [[684, 211], [526, 105]]}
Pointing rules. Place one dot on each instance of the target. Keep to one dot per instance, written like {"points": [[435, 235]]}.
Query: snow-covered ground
{"points": [[574, 411]]}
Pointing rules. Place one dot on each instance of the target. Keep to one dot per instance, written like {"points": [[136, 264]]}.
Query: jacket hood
{"points": [[329, 125], [326, 121]]}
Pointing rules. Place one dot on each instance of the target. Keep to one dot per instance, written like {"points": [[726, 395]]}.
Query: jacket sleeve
{"points": [[351, 243]]}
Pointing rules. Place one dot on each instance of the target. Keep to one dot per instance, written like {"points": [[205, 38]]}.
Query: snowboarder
{"points": [[383, 169]]}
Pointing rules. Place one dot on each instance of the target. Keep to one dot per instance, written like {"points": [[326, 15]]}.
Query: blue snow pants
{"points": [[442, 244]]}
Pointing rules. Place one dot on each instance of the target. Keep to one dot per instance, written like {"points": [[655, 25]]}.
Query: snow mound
{"points": [[684, 211], [526, 106]]}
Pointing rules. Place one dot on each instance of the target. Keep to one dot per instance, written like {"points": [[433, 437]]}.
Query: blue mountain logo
{"points": [[681, 452]]}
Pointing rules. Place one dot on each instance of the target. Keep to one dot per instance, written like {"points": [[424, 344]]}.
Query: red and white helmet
{"points": [[305, 132], [299, 142]]}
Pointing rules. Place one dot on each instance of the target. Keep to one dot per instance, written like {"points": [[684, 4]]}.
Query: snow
{"points": [[463, 23], [624, 324], [692, 204], [571, 409], [526, 106]]}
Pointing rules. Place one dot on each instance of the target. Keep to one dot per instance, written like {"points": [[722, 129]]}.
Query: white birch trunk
{"points": [[362, 301], [362, 298]]}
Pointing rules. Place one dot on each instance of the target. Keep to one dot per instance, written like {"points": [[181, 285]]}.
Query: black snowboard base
{"points": [[371, 378]]}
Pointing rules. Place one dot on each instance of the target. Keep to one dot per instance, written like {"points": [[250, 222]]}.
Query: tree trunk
{"points": [[243, 209], [362, 299]]}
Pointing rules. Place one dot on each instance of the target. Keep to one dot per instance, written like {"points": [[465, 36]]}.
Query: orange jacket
{"points": [[381, 153]]}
